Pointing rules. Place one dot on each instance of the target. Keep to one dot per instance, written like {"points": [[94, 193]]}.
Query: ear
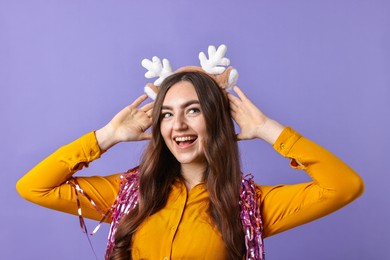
{"points": [[228, 79], [232, 80], [151, 90]]}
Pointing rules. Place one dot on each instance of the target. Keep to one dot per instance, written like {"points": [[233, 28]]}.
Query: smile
{"points": [[185, 140]]}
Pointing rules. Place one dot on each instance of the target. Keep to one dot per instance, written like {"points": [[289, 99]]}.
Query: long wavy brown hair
{"points": [[159, 168]]}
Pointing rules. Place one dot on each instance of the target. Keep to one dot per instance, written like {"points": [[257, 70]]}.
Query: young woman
{"points": [[188, 202]]}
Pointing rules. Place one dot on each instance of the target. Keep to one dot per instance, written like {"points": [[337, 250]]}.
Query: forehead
{"points": [[180, 93]]}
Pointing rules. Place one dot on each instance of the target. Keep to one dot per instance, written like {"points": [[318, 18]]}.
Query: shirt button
{"points": [[282, 145], [166, 258]]}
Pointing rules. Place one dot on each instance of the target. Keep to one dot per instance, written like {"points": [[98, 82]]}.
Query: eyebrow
{"points": [[186, 104]]}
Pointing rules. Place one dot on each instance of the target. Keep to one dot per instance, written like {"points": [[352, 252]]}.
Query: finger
{"points": [[234, 114], [146, 136], [149, 113], [233, 100], [240, 94], [139, 100], [239, 137], [234, 117], [233, 106], [147, 107]]}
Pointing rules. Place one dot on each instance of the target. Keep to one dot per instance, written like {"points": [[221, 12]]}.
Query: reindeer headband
{"points": [[214, 66]]}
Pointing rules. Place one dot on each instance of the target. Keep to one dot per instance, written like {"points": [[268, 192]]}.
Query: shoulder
{"points": [[263, 191]]}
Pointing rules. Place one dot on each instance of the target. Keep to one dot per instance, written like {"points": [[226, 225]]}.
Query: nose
{"points": [[180, 123]]}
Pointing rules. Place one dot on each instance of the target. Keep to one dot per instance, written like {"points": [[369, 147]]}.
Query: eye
{"points": [[193, 110], [166, 115]]}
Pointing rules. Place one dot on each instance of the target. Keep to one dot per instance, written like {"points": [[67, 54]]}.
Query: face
{"points": [[183, 126]]}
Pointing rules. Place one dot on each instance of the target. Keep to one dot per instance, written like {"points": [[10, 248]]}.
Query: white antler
{"points": [[157, 69], [214, 64]]}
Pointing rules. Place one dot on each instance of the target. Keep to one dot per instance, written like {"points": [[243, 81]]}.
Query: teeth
{"points": [[184, 138]]}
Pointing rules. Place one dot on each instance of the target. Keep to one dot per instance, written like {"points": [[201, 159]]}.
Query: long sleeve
{"points": [[46, 185], [334, 184]]}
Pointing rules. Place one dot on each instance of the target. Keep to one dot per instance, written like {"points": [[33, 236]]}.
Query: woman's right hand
{"points": [[130, 124]]}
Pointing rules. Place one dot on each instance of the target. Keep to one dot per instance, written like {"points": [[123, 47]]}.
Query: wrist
{"points": [[105, 137], [270, 131]]}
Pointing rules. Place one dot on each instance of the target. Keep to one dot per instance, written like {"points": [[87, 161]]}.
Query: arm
{"points": [[46, 183], [286, 206], [334, 185]]}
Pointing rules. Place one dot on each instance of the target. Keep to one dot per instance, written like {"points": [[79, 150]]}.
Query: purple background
{"points": [[323, 67]]}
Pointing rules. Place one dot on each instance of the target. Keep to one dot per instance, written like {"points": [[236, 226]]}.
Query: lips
{"points": [[184, 141]]}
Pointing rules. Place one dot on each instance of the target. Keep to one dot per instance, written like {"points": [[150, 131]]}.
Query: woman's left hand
{"points": [[251, 120]]}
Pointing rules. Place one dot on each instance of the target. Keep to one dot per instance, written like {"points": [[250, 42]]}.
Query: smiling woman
{"points": [[188, 198]]}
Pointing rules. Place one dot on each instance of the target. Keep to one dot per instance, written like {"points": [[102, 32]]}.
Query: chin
{"points": [[196, 160]]}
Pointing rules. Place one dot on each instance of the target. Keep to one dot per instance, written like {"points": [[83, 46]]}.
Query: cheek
{"points": [[202, 131], [202, 127], [164, 130]]}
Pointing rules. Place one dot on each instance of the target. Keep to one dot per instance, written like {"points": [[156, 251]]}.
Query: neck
{"points": [[193, 174]]}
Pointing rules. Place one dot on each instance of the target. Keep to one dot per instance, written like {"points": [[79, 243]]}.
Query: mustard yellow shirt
{"points": [[183, 229]]}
